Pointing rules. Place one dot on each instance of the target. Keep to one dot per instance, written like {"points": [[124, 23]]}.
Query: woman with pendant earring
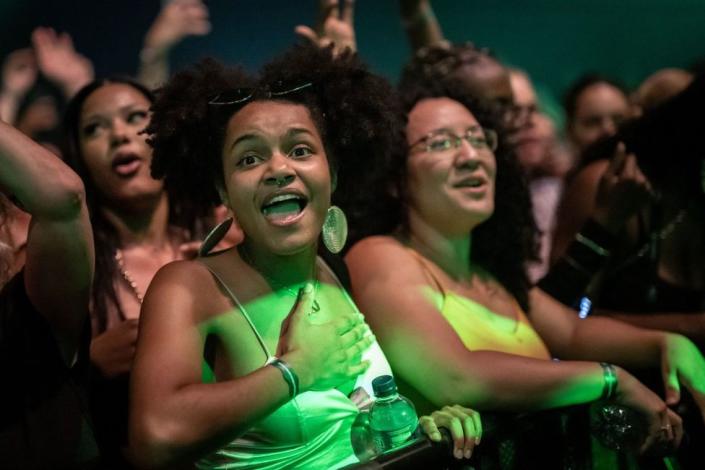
{"points": [[291, 357], [138, 228]]}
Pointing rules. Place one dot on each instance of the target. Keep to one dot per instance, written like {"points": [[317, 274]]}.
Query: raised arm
{"points": [[420, 23], [177, 20], [59, 61], [334, 26], [173, 416], [59, 261], [19, 72]]}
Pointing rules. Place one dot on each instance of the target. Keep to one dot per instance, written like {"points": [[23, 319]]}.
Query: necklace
{"points": [[127, 277], [277, 286]]}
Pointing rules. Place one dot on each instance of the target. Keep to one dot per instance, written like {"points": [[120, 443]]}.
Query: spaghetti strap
{"points": [[242, 310], [428, 271]]}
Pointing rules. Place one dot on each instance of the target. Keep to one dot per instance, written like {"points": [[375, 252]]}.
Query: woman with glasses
{"points": [[289, 356], [439, 270]]}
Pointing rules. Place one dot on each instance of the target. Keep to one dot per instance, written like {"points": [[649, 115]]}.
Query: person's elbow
{"points": [[154, 442], [66, 201]]}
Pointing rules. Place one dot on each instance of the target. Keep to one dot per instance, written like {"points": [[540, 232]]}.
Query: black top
{"points": [[43, 415]]}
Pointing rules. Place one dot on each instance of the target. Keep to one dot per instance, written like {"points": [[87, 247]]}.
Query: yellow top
{"points": [[479, 328]]}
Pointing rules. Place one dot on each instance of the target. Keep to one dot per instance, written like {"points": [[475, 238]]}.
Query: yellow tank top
{"points": [[479, 328]]}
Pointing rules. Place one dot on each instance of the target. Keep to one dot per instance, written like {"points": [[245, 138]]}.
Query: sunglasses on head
{"points": [[241, 96]]}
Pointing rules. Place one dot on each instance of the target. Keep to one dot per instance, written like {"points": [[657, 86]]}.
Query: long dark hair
{"points": [[502, 244], [181, 213]]}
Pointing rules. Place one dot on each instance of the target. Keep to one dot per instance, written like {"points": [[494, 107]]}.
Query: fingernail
{"points": [[308, 288], [435, 436], [458, 454], [468, 453]]}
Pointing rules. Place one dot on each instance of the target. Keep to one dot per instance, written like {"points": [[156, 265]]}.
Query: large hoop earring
{"points": [[215, 236], [335, 229]]}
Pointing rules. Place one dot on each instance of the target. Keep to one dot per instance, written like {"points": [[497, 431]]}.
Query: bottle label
{"points": [[389, 440]]}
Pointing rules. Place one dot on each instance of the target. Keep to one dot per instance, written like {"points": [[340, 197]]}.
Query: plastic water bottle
{"points": [[392, 419]]}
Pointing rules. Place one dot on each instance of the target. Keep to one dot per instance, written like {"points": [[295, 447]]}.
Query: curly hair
{"points": [[182, 213], [502, 244], [352, 108]]}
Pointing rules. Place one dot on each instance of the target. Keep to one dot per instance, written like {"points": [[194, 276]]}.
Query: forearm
{"points": [[606, 339], [200, 418], [154, 68], [691, 325], [9, 104], [498, 381], [420, 23], [42, 183]]}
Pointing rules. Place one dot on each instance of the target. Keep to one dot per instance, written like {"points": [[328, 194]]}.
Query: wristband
{"points": [[290, 377], [609, 389]]}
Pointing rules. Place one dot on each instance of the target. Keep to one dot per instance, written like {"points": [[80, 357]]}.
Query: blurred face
{"points": [[599, 110], [116, 154], [277, 179], [488, 80], [451, 189], [529, 139]]}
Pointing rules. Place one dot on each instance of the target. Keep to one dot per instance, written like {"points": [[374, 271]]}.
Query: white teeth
{"points": [[282, 197]]}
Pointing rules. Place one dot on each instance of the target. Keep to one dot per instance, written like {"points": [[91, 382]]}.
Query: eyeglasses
{"points": [[241, 96], [441, 141]]}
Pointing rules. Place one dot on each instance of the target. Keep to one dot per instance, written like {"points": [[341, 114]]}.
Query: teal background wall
{"points": [[554, 40]]}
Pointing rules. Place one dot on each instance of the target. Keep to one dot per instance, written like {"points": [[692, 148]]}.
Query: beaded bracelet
{"points": [[609, 390], [290, 377]]}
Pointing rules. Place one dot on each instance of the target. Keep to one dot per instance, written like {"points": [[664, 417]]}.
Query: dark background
{"points": [[554, 40]]}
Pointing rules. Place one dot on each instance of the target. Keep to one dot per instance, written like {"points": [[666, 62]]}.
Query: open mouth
{"points": [[284, 209], [126, 164], [473, 183]]}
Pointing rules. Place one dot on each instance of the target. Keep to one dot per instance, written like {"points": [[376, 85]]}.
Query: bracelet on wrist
{"points": [[609, 373], [290, 377]]}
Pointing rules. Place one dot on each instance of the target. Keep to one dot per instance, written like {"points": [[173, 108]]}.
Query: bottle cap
{"points": [[384, 385]]}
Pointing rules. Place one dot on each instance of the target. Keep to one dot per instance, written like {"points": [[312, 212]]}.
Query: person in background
{"points": [[138, 228]]}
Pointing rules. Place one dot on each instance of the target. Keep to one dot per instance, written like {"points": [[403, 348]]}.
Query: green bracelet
{"points": [[609, 390], [290, 377]]}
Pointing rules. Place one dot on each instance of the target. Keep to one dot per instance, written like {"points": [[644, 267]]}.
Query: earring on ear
{"points": [[215, 236], [335, 229]]}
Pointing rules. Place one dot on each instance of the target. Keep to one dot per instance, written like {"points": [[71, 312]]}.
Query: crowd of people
{"points": [[208, 269]]}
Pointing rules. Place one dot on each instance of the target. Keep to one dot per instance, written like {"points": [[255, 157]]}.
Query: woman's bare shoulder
{"points": [[377, 246]]}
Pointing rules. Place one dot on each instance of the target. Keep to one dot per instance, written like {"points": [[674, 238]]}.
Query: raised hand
{"points": [[463, 423], [334, 26], [176, 21], [326, 355], [59, 61], [622, 190], [19, 72], [112, 352]]}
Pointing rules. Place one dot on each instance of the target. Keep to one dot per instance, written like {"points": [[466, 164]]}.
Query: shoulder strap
{"points": [[240, 307]]}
